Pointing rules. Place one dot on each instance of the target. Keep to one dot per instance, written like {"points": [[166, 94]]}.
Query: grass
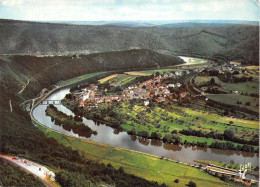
{"points": [[243, 87], [200, 80], [232, 99], [122, 79], [190, 61], [79, 78], [137, 73], [143, 165], [222, 164]]}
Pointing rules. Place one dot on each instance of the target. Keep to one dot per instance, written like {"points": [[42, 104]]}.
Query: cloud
{"points": [[131, 10], [11, 2]]}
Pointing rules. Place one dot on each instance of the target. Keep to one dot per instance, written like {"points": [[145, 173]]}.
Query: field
{"points": [[108, 78], [79, 78], [200, 80], [251, 87], [137, 73], [122, 79], [232, 99], [178, 118], [190, 61], [143, 165]]}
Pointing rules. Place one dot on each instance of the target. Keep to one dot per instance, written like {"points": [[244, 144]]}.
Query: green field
{"points": [[251, 87], [231, 99], [176, 118], [143, 165], [119, 79], [200, 80], [79, 78]]}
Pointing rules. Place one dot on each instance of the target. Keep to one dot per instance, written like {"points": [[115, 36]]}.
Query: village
{"points": [[152, 89], [156, 89]]}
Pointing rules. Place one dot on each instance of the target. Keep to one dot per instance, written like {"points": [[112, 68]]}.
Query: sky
{"points": [[124, 10]]}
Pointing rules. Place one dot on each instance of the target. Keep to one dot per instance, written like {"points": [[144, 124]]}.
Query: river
{"points": [[109, 136]]}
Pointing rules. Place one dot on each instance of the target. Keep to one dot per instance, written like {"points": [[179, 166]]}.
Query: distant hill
{"points": [[232, 41], [166, 23]]}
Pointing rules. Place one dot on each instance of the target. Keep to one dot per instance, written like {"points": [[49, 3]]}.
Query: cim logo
{"points": [[244, 169]]}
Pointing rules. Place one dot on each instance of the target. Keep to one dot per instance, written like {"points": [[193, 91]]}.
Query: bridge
{"points": [[54, 102]]}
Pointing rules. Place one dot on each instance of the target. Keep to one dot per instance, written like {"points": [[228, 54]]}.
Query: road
{"points": [[37, 170]]}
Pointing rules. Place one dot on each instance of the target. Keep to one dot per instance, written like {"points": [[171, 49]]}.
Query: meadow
{"points": [[232, 99], [77, 79]]}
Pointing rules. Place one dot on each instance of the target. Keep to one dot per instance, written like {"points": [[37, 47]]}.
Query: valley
{"points": [[113, 105]]}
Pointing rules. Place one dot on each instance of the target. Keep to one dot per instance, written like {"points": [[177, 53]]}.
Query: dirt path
{"points": [[37, 170]]}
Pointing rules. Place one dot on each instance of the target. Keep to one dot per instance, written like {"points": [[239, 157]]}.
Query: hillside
{"points": [[228, 41]]}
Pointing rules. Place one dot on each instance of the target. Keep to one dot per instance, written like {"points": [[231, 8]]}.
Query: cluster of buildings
{"points": [[237, 176], [89, 97]]}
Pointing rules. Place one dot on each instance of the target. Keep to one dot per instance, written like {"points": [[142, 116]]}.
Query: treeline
{"points": [[229, 145], [227, 135], [105, 174], [13, 176], [168, 138], [68, 122]]}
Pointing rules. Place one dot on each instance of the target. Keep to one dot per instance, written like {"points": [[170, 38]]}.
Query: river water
{"points": [[108, 135]]}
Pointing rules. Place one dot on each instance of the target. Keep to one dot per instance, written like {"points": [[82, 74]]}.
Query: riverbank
{"points": [[141, 164]]}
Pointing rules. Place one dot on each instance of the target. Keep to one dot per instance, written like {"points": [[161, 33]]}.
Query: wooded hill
{"points": [[227, 41]]}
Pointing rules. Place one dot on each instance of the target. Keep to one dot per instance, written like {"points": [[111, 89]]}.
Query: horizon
{"points": [[136, 10]]}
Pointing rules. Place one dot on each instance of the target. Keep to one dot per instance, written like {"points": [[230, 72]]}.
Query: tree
{"points": [[144, 133], [176, 180], [157, 73], [212, 81], [228, 134], [156, 135], [68, 96], [192, 184]]}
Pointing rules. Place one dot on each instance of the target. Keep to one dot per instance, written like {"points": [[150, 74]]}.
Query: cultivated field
{"points": [[137, 73], [108, 78], [200, 80]]}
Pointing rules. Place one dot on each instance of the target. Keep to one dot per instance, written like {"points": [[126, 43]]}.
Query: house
{"points": [[171, 75], [165, 75], [178, 73], [235, 63], [160, 99], [167, 92], [81, 103], [183, 94], [171, 85], [178, 84], [234, 91], [146, 102]]}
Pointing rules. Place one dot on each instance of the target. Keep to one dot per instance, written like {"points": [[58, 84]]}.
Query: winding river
{"points": [[108, 135]]}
